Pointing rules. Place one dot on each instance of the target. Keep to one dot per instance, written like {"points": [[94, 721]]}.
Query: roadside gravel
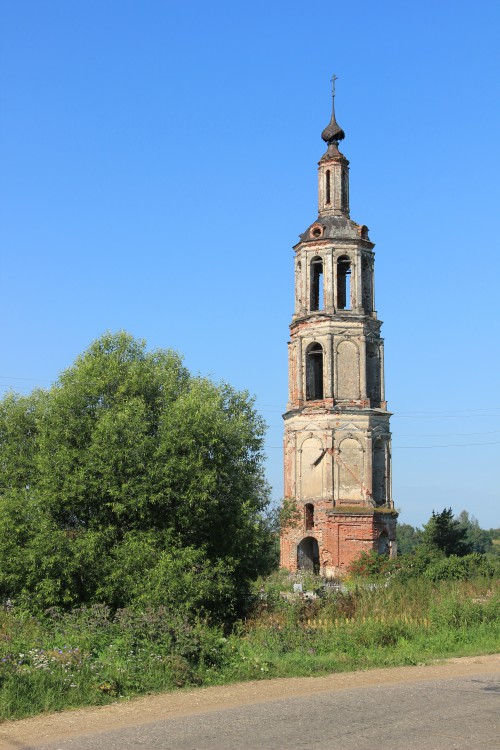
{"points": [[46, 728]]}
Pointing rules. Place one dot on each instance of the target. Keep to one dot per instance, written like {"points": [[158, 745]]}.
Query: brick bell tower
{"points": [[337, 439]]}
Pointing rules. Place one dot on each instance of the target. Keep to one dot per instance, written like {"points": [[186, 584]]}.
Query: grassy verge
{"points": [[90, 656]]}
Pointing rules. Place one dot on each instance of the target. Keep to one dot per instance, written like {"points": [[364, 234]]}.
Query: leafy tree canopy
{"points": [[478, 539], [407, 537], [132, 479], [445, 534]]}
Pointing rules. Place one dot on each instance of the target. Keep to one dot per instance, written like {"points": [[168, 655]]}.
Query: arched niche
{"points": [[347, 370], [311, 468], [351, 470]]}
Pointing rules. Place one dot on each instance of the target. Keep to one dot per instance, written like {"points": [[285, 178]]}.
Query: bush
{"points": [[372, 565], [455, 568]]}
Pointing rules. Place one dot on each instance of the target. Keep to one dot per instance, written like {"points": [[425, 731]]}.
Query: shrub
{"points": [[455, 568], [372, 565]]}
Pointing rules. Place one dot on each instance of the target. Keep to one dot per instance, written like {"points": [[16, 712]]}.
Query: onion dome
{"points": [[333, 133]]}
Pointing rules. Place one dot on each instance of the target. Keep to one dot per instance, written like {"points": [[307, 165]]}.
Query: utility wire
{"points": [[459, 412], [415, 447], [449, 445], [448, 434], [14, 377]]}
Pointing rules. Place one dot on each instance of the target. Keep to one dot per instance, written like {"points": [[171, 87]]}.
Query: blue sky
{"points": [[158, 161]]}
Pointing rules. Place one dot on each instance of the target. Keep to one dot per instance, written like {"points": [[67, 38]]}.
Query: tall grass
{"points": [[364, 628], [93, 656], [369, 627]]}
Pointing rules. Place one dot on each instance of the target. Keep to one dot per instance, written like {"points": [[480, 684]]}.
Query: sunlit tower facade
{"points": [[337, 442]]}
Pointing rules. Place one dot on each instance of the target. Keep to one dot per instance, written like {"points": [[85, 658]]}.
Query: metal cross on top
{"points": [[333, 79]]}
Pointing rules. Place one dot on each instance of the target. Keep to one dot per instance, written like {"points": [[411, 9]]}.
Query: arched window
{"points": [[314, 372], [344, 283], [309, 516], [317, 284], [328, 191]]}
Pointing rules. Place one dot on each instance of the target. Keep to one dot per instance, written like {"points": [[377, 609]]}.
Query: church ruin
{"points": [[337, 437]]}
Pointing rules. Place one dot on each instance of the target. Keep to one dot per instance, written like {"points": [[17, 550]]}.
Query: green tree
{"points": [[443, 533], [131, 478], [494, 535], [478, 539], [407, 538]]}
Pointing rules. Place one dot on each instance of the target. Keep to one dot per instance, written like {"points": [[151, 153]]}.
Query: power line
{"points": [[449, 434], [413, 447], [452, 413], [440, 415], [14, 377], [449, 445]]}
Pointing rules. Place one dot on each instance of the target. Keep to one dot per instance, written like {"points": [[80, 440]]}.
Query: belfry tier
{"points": [[335, 352]]}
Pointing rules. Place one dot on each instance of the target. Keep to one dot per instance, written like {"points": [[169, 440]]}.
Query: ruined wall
{"points": [[341, 537]]}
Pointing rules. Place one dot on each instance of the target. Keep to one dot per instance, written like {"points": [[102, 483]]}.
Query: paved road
{"points": [[462, 714]]}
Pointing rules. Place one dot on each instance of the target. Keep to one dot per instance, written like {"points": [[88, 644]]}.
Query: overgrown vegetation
{"points": [[424, 563], [92, 655]]}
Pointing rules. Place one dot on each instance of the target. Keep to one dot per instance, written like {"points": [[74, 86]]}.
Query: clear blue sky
{"points": [[158, 160]]}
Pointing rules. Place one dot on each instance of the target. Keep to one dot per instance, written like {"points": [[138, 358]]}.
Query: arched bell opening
{"points": [[344, 283], [317, 287]]}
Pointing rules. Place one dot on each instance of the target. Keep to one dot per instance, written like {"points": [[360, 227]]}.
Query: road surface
{"points": [[454, 705]]}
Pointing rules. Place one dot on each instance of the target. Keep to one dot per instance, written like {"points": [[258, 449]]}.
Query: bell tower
{"points": [[337, 438]]}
